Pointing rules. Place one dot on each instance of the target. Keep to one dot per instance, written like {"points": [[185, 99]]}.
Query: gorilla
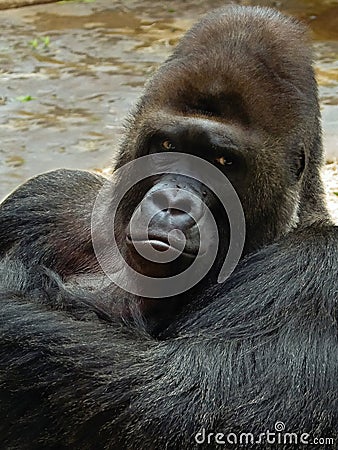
{"points": [[250, 362]]}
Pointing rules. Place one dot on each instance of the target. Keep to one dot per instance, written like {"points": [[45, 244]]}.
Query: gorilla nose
{"points": [[174, 205]]}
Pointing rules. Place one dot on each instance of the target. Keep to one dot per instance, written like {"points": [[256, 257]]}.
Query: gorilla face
{"points": [[174, 205], [169, 213], [248, 106]]}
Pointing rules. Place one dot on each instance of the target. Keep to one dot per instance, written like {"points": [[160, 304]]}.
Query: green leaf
{"points": [[45, 40], [25, 98], [34, 43]]}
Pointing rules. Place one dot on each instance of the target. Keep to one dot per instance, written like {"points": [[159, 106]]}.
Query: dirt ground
{"points": [[330, 177]]}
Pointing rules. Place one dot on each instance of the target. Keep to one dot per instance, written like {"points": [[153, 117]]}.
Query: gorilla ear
{"points": [[300, 161]]}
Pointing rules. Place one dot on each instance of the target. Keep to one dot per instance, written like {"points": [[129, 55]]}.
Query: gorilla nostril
{"points": [[160, 199], [176, 204], [181, 205]]}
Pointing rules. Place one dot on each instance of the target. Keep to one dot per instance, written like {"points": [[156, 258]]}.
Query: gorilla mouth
{"points": [[160, 243]]}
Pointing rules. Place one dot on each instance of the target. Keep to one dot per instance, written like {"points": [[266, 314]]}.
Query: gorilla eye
{"points": [[167, 145], [223, 161]]}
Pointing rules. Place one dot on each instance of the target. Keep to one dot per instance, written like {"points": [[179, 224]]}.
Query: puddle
{"points": [[70, 72]]}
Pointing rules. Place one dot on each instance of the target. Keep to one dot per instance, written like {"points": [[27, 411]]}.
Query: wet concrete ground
{"points": [[71, 71]]}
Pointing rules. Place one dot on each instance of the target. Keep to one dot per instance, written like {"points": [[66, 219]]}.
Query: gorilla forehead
{"points": [[250, 93], [241, 64]]}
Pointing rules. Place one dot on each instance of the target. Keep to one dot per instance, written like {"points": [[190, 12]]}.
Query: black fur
{"points": [[261, 348]]}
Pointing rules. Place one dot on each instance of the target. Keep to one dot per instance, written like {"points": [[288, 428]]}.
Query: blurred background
{"points": [[71, 70]]}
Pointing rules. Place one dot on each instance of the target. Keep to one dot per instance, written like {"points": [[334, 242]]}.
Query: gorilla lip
{"points": [[159, 243]]}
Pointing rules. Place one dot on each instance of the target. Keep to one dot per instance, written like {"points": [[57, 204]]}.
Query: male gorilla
{"points": [[86, 365]]}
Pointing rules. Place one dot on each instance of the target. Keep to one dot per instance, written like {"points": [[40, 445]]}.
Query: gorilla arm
{"points": [[261, 346], [47, 220]]}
